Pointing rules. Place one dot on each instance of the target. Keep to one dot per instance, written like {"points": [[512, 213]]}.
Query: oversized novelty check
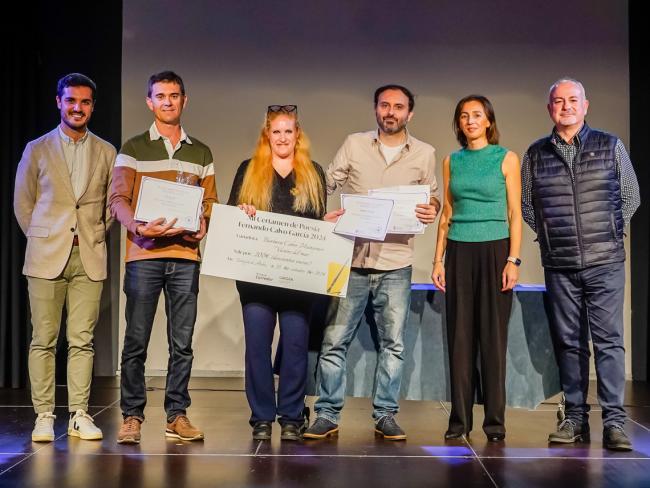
{"points": [[277, 250]]}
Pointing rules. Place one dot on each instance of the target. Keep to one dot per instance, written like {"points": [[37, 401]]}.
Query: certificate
{"points": [[277, 250], [364, 216], [162, 198], [403, 219], [405, 189]]}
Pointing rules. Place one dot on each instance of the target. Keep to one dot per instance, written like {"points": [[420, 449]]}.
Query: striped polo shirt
{"points": [[151, 154]]}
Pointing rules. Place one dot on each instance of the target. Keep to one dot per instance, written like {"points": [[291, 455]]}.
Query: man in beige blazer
{"points": [[60, 202]]}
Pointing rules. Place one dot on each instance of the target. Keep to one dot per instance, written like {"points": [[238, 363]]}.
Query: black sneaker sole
{"points": [[399, 437], [617, 447], [290, 437], [578, 438], [310, 435]]}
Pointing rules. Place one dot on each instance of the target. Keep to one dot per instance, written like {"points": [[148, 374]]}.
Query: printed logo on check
{"points": [[337, 276]]}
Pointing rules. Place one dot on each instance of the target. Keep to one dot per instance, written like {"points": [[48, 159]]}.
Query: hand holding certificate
{"points": [[364, 216], [390, 210], [162, 198]]}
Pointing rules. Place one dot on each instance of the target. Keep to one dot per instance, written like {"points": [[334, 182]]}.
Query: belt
{"points": [[75, 240]]}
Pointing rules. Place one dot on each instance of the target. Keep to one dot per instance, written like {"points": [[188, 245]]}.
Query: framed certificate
{"points": [[170, 200]]}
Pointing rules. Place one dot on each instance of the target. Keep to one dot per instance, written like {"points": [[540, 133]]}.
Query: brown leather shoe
{"points": [[130, 431], [182, 429]]}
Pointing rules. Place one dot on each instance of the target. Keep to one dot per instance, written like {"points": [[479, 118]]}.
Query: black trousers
{"points": [[477, 320]]}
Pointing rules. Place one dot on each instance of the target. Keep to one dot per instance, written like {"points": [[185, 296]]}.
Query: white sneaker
{"points": [[44, 427], [82, 425]]}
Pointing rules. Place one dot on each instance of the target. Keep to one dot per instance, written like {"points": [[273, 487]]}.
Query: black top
{"points": [[281, 197]]}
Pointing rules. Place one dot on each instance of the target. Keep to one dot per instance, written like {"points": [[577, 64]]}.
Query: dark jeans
{"points": [[262, 306], [143, 282], [584, 303]]}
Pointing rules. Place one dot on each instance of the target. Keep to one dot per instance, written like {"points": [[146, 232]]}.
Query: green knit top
{"points": [[478, 192]]}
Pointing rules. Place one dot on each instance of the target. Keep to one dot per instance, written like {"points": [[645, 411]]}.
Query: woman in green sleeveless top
{"points": [[480, 230]]}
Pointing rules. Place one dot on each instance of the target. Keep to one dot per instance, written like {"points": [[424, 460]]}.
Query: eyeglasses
{"points": [[287, 109]]}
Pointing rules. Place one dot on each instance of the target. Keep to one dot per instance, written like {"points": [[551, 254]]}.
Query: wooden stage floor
{"points": [[230, 458]]}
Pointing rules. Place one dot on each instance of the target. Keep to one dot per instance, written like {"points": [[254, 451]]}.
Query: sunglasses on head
{"points": [[287, 109]]}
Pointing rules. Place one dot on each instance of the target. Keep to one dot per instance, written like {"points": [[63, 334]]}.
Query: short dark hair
{"points": [[492, 131], [167, 77], [75, 79], [401, 88]]}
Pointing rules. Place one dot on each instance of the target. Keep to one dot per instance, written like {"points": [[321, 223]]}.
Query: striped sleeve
{"points": [[121, 199], [209, 185]]}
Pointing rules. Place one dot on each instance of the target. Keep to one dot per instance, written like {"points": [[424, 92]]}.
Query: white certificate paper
{"points": [[364, 216], [277, 250], [403, 219], [171, 200], [405, 189]]}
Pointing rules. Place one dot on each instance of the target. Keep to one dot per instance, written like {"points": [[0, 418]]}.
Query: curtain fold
{"points": [[38, 48]]}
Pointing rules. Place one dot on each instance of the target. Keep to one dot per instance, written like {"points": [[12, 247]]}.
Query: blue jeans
{"points": [[390, 296], [143, 282], [583, 303]]}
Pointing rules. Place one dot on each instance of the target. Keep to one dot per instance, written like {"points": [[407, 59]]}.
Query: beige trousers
{"points": [[81, 297]]}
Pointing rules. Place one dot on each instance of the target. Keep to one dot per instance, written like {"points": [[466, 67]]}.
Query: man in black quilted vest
{"points": [[579, 191]]}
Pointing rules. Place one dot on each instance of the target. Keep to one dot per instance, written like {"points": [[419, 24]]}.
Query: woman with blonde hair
{"points": [[281, 178], [480, 231]]}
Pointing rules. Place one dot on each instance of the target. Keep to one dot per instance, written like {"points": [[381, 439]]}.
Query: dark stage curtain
{"points": [[640, 226], [43, 41]]}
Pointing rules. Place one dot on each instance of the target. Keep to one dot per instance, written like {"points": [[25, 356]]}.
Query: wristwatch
{"points": [[514, 260]]}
